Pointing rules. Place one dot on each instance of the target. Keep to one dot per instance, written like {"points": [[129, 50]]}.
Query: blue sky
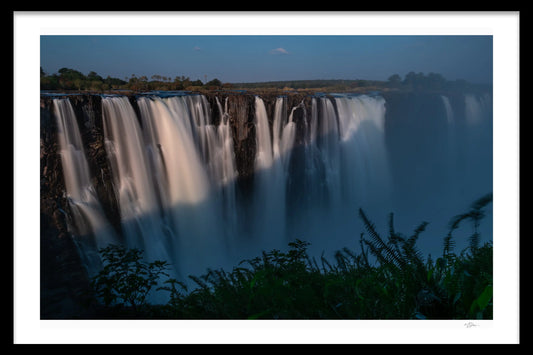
{"points": [[270, 58]]}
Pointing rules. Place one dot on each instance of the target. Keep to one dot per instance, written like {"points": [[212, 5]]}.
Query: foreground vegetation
{"points": [[388, 279]]}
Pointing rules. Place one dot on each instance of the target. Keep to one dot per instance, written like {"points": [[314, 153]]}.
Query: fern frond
{"points": [[449, 245], [325, 263], [375, 251], [411, 252], [482, 202], [475, 214], [456, 220], [363, 253], [391, 225], [473, 240], [412, 239], [315, 265], [222, 278], [378, 246], [349, 253], [341, 261], [199, 282]]}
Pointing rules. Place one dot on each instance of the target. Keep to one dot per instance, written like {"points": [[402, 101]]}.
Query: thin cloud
{"points": [[197, 49], [279, 51]]}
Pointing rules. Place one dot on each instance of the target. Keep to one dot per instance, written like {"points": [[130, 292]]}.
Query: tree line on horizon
{"points": [[412, 81], [71, 79]]}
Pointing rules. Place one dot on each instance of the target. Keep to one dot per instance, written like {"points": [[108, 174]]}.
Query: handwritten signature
{"points": [[471, 324]]}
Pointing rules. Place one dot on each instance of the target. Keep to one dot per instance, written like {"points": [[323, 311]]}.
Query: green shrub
{"points": [[388, 279], [126, 280]]}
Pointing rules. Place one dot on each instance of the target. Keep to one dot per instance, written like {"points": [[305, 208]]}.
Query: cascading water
{"points": [[440, 150], [92, 229], [269, 180], [164, 168], [327, 143], [133, 179], [345, 167], [175, 177], [225, 172], [364, 159]]}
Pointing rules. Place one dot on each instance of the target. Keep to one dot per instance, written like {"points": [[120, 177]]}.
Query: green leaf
{"points": [[485, 297], [430, 273], [480, 303], [257, 315]]}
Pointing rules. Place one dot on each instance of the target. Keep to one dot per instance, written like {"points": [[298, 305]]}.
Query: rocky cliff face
{"points": [[65, 290], [411, 121], [64, 282], [241, 111]]}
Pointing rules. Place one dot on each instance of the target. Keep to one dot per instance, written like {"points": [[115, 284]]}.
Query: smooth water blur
{"points": [[173, 167], [440, 153], [91, 227]]}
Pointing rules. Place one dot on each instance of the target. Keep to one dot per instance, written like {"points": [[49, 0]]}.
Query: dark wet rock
{"points": [[64, 281]]}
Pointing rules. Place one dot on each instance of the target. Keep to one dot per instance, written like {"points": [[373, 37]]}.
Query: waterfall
{"points": [[452, 158], [179, 196], [449, 110], [269, 191], [133, 179], [161, 165], [345, 167], [264, 155], [477, 147], [474, 110], [92, 230], [440, 150], [364, 159], [172, 148], [287, 142], [327, 143], [226, 172], [189, 152]]}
